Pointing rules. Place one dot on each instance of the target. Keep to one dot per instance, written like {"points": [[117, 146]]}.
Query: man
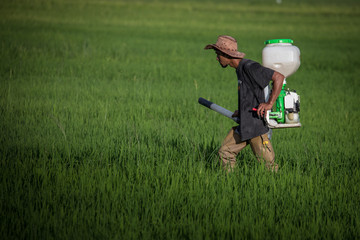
{"points": [[252, 129]]}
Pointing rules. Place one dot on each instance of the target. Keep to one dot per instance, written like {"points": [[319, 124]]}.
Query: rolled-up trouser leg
{"points": [[230, 148], [263, 150]]}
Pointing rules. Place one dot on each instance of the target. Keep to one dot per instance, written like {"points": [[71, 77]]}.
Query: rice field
{"points": [[102, 137]]}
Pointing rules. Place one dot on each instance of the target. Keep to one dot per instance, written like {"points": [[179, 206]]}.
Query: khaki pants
{"points": [[260, 146]]}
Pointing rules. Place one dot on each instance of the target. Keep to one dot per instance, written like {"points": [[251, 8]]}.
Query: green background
{"points": [[101, 135]]}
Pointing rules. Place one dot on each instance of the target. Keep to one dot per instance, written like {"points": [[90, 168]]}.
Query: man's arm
{"points": [[278, 80]]}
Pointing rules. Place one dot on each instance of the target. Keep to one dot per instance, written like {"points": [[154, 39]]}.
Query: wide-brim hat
{"points": [[227, 45]]}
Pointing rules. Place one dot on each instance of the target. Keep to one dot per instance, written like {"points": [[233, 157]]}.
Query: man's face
{"points": [[222, 58]]}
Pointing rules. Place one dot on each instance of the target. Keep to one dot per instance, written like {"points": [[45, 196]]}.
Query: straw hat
{"points": [[227, 45]]}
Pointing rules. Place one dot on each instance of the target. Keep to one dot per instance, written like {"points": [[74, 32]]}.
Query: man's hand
{"points": [[263, 108], [236, 114], [278, 80]]}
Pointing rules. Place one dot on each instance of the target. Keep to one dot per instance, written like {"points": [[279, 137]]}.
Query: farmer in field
{"points": [[252, 129]]}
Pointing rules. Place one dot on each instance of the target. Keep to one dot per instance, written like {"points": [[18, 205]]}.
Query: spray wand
{"points": [[219, 109]]}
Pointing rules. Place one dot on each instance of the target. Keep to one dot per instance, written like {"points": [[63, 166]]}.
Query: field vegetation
{"points": [[101, 135]]}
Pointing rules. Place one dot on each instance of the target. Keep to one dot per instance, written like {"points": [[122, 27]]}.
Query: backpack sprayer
{"points": [[281, 56]]}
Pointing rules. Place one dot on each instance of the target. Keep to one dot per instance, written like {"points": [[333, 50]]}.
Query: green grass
{"points": [[101, 135]]}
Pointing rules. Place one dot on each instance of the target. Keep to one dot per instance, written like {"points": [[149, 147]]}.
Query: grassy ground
{"points": [[101, 135]]}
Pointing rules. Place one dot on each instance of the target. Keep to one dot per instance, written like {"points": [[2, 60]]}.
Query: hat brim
{"points": [[234, 54]]}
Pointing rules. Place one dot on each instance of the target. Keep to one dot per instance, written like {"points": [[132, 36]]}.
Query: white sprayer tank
{"points": [[280, 55]]}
